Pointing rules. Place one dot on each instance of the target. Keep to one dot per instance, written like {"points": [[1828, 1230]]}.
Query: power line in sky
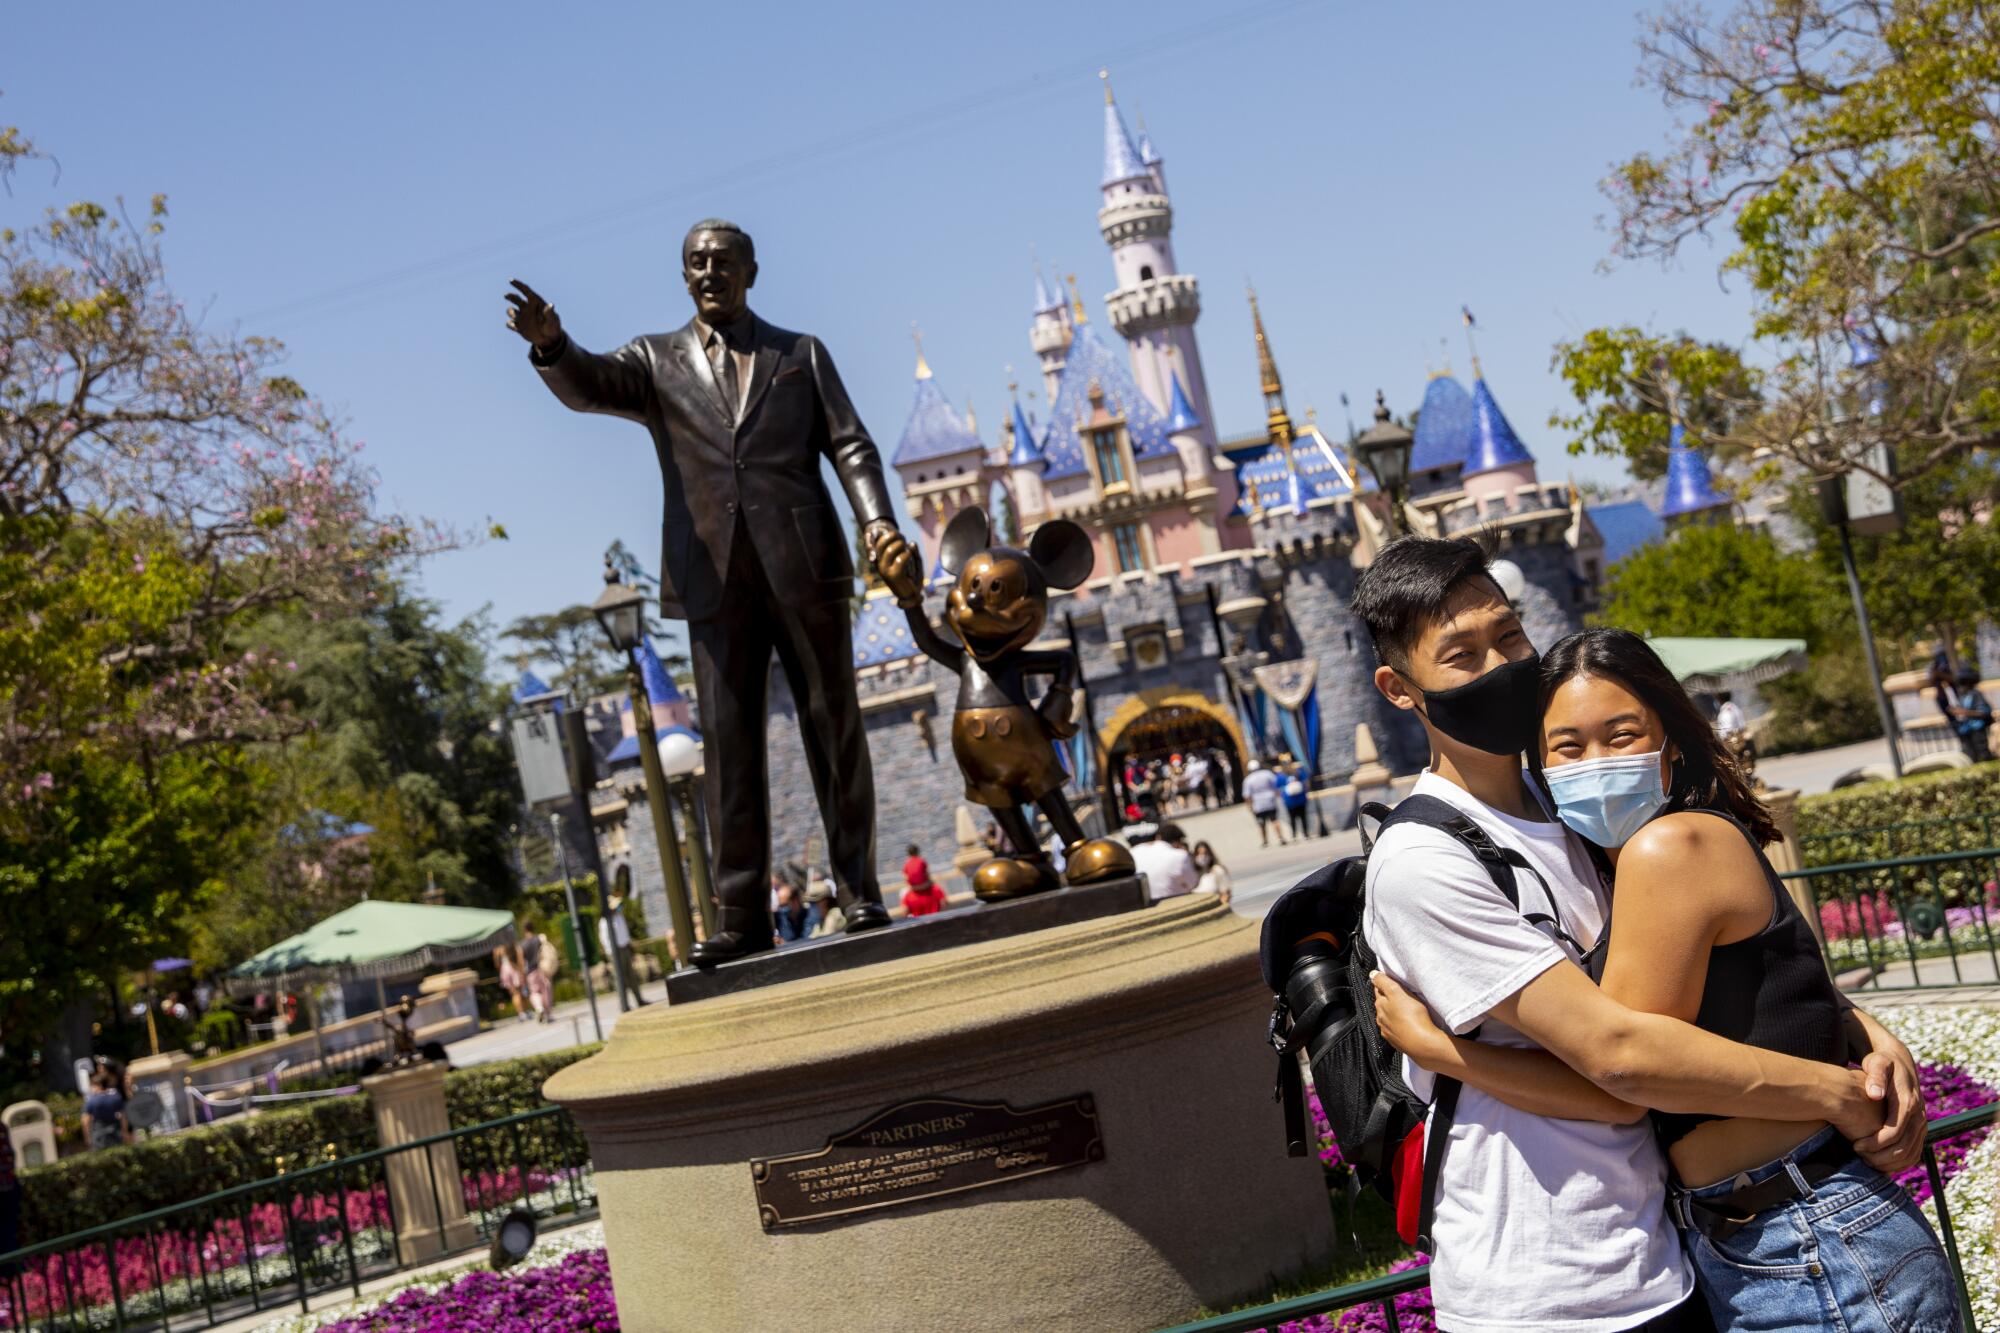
{"points": [[906, 124]]}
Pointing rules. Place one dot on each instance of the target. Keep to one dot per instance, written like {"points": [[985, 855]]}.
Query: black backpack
{"points": [[1316, 958]]}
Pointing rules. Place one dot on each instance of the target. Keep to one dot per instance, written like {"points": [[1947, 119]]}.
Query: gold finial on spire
{"points": [[1075, 301], [1471, 347], [1267, 368], [1105, 75], [923, 366]]}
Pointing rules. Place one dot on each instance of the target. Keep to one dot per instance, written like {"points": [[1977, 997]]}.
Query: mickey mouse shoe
{"points": [[1012, 877], [1095, 860]]}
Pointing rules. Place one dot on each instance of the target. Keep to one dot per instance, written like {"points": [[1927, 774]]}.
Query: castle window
{"points": [[1110, 464], [1125, 537], [1145, 272]]}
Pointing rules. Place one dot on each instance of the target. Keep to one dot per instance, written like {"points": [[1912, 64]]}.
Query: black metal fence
{"points": [[281, 1241], [1927, 919], [1375, 1303]]}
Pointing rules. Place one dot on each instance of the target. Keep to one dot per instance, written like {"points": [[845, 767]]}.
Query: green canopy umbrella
{"points": [[1716, 664], [375, 939]]}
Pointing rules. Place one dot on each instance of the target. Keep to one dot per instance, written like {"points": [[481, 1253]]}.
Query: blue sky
{"points": [[361, 180]]}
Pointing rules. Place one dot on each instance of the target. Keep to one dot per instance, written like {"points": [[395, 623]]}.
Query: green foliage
{"points": [[100, 1186], [1831, 702], [1849, 155], [1630, 385], [1717, 580], [1860, 822], [220, 1029], [106, 1184], [574, 644], [400, 711]]}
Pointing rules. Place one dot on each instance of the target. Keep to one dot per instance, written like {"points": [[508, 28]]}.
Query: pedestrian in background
{"points": [[1163, 859], [821, 903], [1971, 715], [1295, 794], [1260, 791], [1214, 876], [538, 966], [104, 1123], [507, 964], [921, 896], [614, 936]]}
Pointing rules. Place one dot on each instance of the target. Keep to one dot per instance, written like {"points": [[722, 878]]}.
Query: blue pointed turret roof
{"points": [[530, 686], [1046, 299], [882, 633], [934, 430], [1027, 452], [1267, 478], [1181, 415], [1494, 444], [1147, 153], [1444, 426], [659, 685], [1090, 362], [1690, 487], [1121, 160]]}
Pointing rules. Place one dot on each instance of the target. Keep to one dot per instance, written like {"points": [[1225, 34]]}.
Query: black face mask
{"points": [[1495, 713]]}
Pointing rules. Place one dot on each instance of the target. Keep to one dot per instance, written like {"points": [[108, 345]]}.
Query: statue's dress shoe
{"points": [[866, 916], [726, 946], [1012, 877], [1095, 860]]}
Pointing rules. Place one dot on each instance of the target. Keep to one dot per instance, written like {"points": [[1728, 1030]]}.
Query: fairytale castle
{"points": [[1217, 616]]}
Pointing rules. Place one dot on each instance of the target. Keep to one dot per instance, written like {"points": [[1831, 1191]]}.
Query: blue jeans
{"points": [[1854, 1255]]}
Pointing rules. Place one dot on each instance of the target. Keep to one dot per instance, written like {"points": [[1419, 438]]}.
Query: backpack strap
{"points": [[1501, 865]]}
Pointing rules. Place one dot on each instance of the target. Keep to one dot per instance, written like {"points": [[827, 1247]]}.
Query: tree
{"points": [[402, 741], [163, 489], [574, 643], [1850, 150], [1630, 387], [1722, 581]]}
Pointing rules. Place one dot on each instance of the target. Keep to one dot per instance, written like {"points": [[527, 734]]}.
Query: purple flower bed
{"points": [[566, 1297], [1947, 1090]]}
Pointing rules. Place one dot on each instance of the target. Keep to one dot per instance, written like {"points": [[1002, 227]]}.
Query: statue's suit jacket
{"points": [[757, 474]]}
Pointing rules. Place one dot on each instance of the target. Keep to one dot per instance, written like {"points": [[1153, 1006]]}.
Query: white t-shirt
{"points": [[1168, 869], [1540, 1223], [1260, 789]]}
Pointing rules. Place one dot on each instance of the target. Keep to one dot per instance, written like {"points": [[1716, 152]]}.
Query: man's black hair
{"points": [[1171, 833], [1407, 588], [727, 228]]}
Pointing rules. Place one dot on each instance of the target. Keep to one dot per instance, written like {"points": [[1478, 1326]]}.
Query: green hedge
{"points": [[1937, 812], [92, 1188]]}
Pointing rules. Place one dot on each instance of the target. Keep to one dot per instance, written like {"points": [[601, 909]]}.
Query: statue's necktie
{"points": [[725, 372]]}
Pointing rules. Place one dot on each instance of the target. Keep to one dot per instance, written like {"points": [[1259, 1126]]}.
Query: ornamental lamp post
{"points": [[1385, 451], [680, 756], [621, 611]]}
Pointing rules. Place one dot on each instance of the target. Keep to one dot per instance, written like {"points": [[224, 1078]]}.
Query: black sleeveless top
{"points": [[1769, 990]]}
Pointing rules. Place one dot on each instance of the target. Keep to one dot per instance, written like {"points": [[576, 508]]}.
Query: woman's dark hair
{"points": [[1705, 777]]}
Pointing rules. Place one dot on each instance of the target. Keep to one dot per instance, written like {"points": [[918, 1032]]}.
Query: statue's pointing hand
{"points": [[532, 317]]}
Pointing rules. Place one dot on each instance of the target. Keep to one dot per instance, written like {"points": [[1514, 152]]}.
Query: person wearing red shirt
{"points": [[922, 897]]}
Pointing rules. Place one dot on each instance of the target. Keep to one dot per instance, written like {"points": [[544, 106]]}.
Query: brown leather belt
{"points": [[1718, 1219]]}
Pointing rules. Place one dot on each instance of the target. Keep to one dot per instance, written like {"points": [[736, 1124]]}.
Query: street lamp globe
{"points": [[1510, 578], [680, 754], [1385, 450], [620, 610]]}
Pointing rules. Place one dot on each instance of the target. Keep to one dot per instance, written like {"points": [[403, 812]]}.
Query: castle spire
{"points": [[1025, 452], [1267, 374], [923, 366], [1045, 300], [1076, 311], [1121, 159]]}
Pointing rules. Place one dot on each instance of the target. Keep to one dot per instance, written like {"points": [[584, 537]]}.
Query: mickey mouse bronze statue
{"points": [[1005, 746]]}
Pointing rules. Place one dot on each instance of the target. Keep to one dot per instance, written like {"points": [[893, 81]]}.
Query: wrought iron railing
{"points": [[1377, 1296], [1910, 921], [282, 1241]]}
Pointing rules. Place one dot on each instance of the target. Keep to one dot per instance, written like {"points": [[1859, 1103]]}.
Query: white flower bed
{"points": [[547, 1251], [1968, 1037]]}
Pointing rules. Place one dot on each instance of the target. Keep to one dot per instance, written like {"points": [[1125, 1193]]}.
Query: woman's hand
{"points": [[1407, 1025]]}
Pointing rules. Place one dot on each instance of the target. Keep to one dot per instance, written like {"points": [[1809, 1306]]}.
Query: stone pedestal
{"points": [[1153, 1020], [426, 1192], [1785, 854], [165, 1076]]}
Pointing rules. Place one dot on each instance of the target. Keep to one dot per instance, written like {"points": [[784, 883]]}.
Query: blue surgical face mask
{"points": [[1608, 800]]}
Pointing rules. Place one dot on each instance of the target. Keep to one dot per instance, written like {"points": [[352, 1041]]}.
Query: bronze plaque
{"points": [[921, 1149]]}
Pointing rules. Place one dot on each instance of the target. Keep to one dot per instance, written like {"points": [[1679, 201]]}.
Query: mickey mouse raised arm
{"points": [[1004, 745]]}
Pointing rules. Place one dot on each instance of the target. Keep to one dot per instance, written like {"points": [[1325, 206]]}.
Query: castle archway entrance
{"points": [[1145, 734]]}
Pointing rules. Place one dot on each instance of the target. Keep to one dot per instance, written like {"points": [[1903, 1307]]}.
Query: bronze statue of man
{"points": [[754, 559]]}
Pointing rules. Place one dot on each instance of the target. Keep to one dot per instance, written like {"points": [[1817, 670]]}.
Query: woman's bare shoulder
{"points": [[1688, 850]]}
